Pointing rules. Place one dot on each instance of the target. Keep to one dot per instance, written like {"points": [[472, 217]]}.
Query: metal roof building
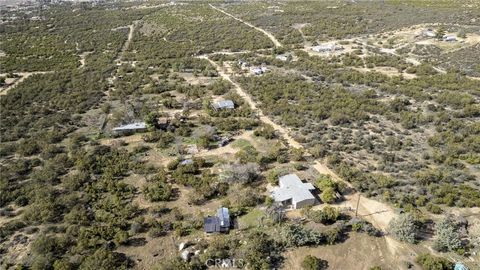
{"points": [[292, 191], [450, 38], [327, 47], [218, 223], [186, 162], [224, 104], [133, 127]]}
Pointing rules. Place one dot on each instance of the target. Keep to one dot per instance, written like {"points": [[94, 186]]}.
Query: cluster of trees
{"points": [[331, 122], [326, 23], [27, 47], [329, 188], [192, 29], [449, 232]]}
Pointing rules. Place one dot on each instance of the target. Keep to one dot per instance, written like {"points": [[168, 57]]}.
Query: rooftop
{"points": [[291, 187], [218, 223], [224, 104], [132, 126], [186, 162]]}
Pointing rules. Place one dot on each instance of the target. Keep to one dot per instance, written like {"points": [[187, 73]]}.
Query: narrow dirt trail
{"points": [[24, 76], [131, 29], [269, 35]]}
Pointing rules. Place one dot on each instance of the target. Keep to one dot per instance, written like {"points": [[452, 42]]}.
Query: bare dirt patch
{"points": [[356, 254]]}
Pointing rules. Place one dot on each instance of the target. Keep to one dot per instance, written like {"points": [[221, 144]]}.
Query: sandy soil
{"points": [[358, 252], [389, 71], [82, 58]]}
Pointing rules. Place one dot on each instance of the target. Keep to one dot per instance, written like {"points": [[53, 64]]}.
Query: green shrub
{"points": [[313, 263], [429, 262]]}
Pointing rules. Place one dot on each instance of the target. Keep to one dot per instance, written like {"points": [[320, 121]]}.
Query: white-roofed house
{"points": [[429, 33], [450, 38], [223, 104], [292, 191], [327, 47], [282, 57], [258, 70]]}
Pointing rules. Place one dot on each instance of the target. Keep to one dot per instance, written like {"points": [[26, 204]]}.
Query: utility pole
{"points": [[358, 202]]}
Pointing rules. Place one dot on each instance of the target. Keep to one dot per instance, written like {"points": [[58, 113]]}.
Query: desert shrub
{"points": [[158, 190], [295, 235], [327, 215], [433, 208], [266, 131], [104, 259], [313, 263], [429, 262], [260, 251], [328, 195], [239, 173], [447, 235], [403, 228]]}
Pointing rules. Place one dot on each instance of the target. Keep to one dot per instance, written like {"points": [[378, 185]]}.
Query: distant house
{"points": [[258, 70], [328, 47], [218, 223], [243, 64], [429, 33], [450, 38], [281, 57], [130, 128], [186, 162], [223, 105], [292, 191]]}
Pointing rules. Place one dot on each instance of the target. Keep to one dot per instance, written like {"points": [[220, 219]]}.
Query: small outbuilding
{"points": [[218, 223], [327, 47], [429, 33], [282, 57], [292, 191], [130, 128], [186, 162], [450, 38], [223, 105], [258, 70]]}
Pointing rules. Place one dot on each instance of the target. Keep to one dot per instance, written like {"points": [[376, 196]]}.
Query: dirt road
{"points": [[23, 77], [125, 46], [281, 130], [378, 213], [269, 35]]}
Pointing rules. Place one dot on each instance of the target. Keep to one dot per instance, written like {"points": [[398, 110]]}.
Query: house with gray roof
{"points": [[292, 191], [223, 105]]}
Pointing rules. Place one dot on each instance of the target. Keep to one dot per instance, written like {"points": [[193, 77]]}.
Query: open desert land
{"points": [[240, 135]]}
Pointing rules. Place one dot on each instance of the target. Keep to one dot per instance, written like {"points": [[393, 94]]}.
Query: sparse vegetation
{"points": [[391, 114]]}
